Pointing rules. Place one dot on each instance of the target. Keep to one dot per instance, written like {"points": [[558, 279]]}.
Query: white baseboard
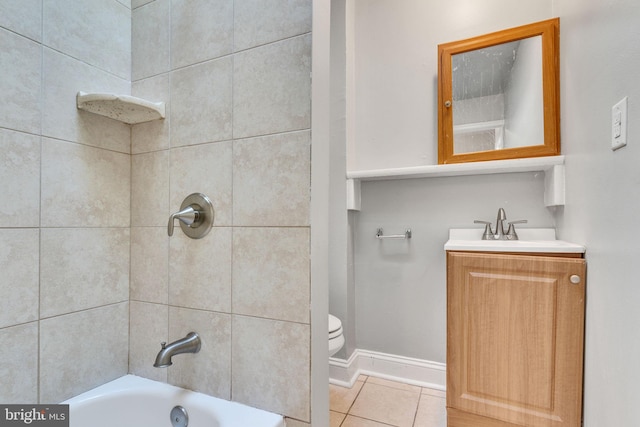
{"points": [[407, 370]]}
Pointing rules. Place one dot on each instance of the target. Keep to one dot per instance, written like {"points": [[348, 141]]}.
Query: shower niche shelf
{"points": [[125, 108]]}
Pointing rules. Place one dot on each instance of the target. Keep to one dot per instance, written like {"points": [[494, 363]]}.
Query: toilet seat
{"points": [[335, 326], [336, 339], [335, 334]]}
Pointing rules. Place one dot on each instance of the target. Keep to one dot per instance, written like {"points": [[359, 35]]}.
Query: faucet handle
{"points": [[511, 232], [488, 233], [188, 216], [195, 216]]}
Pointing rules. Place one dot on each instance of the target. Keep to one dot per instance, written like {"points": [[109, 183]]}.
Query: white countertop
{"points": [[530, 240]]}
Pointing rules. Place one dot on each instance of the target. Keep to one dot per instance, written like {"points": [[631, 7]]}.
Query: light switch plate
{"points": [[619, 124]]}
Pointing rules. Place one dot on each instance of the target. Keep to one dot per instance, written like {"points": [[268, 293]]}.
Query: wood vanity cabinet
{"points": [[515, 331]]}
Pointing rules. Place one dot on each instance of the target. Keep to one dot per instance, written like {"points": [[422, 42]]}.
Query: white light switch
{"points": [[619, 124]]}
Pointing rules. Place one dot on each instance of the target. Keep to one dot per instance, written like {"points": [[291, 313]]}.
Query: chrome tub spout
{"points": [[189, 344]]}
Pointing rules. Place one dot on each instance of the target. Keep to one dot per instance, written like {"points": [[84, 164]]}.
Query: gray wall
{"points": [[399, 289], [602, 195], [600, 211], [401, 284]]}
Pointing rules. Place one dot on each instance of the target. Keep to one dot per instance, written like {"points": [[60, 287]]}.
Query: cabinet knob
{"points": [[575, 279]]}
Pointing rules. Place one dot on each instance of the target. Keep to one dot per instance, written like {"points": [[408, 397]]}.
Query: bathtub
{"points": [[132, 401]]}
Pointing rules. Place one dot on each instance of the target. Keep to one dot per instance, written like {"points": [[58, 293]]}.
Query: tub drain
{"points": [[179, 417]]}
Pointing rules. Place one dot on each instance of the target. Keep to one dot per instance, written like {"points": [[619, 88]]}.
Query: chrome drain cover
{"points": [[179, 417]]}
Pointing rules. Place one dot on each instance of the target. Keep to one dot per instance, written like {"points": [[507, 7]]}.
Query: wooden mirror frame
{"points": [[549, 30]]}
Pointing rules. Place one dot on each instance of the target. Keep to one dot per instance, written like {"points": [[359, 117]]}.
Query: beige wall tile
{"points": [[84, 186], [20, 177], [97, 32], [271, 365], [149, 264], [82, 350], [200, 270], [153, 135], [271, 273], [209, 370], [150, 189], [149, 327], [83, 268], [259, 22], [272, 179], [200, 30], [280, 99], [201, 103], [64, 77], [24, 17], [203, 169], [19, 287], [138, 3], [21, 82], [19, 369], [150, 39]]}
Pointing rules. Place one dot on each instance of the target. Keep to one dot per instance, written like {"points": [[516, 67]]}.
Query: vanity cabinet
{"points": [[515, 331]]}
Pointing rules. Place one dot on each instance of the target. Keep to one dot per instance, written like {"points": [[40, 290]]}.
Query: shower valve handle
{"points": [[188, 216], [196, 216]]}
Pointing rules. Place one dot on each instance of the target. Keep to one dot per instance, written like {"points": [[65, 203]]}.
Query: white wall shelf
{"points": [[552, 166], [125, 108]]}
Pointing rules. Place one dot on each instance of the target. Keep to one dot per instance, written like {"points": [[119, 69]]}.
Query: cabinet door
{"points": [[515, 339]]}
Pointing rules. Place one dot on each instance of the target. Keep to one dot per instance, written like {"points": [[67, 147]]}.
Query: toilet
{"points": [[336, 339]]}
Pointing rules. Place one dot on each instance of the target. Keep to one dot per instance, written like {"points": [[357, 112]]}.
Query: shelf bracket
{"points": [[554, 190], [353, 195]]}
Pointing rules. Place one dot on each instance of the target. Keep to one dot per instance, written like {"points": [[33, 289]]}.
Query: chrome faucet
{"points": [[189, 344], [502, 216], [500, 233]]}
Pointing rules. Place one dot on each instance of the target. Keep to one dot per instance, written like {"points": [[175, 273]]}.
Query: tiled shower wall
{"points": [[91, 283], [236, 79], [64, 199]]}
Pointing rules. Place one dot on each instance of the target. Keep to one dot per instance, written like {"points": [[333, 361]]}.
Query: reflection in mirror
{"points": [[498, 95]]}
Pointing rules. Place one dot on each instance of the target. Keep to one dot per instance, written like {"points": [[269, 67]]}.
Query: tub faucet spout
{"points": [[189, 344]]}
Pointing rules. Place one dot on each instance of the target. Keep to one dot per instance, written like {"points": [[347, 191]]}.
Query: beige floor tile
{"points": [[362, 378], [393, 384], [335, 418], [341, 398], [431, 412], [352, 421], [386, 404], [434, 392]]}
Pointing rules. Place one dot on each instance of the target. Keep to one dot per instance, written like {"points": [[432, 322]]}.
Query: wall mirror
{"points": [[498, 95]]}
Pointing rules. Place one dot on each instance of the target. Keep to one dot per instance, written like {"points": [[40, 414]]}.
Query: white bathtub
{"points": [[132, 401]]}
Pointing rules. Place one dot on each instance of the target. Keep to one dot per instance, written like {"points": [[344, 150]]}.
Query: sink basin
{"points": [[531, 240]]}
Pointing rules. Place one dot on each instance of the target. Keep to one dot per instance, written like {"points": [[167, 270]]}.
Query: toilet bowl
{"points": [[336, 339]]}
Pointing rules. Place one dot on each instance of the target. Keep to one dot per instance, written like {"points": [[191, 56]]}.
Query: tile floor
{"points": [[374, 402]]}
